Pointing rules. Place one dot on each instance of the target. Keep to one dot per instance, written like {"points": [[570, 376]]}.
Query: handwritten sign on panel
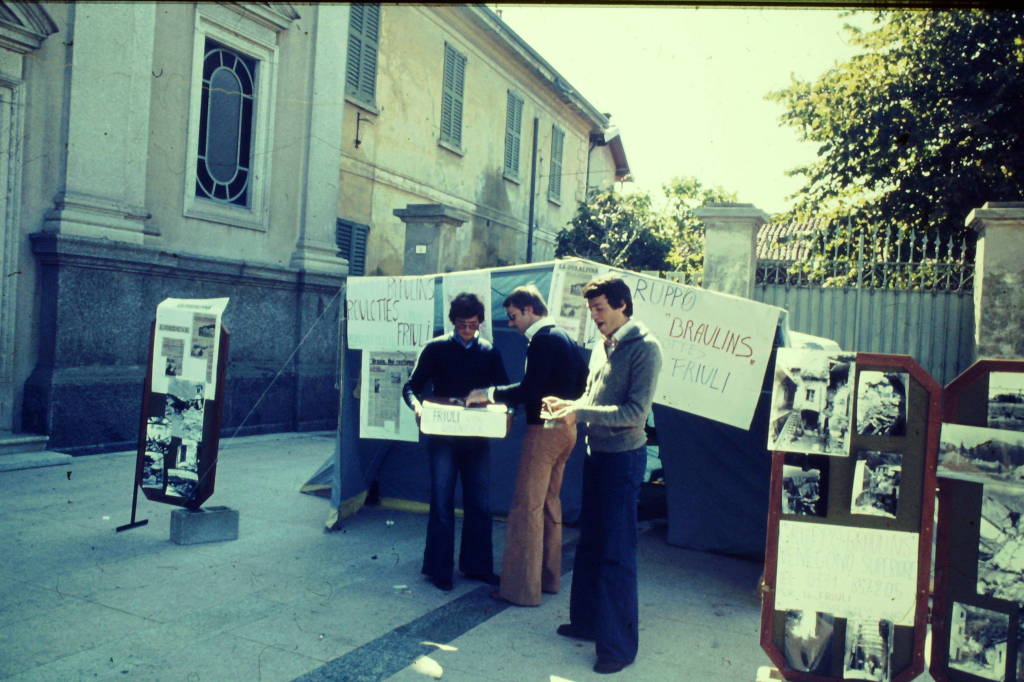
{"points": [[390, 313]]}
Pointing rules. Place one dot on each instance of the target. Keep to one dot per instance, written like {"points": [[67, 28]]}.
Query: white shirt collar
{"points": [[539, 324], [620, 333]]}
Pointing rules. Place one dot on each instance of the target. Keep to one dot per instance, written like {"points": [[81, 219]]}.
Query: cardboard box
{"points": [[443, 419]]}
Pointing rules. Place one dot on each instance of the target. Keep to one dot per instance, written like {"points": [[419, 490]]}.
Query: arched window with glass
{"points": [[226, 118]]}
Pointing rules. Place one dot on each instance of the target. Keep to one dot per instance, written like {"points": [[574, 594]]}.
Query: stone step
{"points": [[15, 443], [33, 460]]}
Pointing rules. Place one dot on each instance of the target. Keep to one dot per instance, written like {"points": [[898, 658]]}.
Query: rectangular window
{"points": [[452, 86], [555, 177], [351, 239], [361, 63], [513, 134]]}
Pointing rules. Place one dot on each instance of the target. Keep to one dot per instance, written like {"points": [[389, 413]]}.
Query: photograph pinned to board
{"points": [[476, 282], [1006, 400], [805, 489], [807, 641], [811, 402], [978, 640], [976, 453], [1001, 543], [868, 650], [159, 446], [876, 483], [882, 403], [383, 413]]}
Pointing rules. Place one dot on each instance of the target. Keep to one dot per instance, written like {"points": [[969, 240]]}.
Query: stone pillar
{"points": [[108, 82], [999, 280], [430, 237], [730, 246], [315, 248]]}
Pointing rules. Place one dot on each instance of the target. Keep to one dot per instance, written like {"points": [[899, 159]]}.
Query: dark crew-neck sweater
{"points": [[451, 370]]}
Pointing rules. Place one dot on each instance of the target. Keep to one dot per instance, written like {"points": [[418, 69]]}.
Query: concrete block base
{"points": [[212, 524]]}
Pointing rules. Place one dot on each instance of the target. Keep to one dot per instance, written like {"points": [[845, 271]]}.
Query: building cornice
{"points": [[277, 16], [24, 26]]}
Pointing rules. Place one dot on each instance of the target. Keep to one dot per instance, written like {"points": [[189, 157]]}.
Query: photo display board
{"points": [[853, 437], [978, 603], [179, 431]]}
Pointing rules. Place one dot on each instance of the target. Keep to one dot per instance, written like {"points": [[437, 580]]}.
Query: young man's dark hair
{"points": [[465, 306], [526, 295], [613, 288]]}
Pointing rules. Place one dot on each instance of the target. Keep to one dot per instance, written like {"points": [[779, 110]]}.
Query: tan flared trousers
{"points": [[533, 543]]}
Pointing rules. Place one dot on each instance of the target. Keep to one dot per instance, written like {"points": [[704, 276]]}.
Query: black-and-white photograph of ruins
{"points": [[981, 454], [876, 483], [978, 641], [868, 651], [811, 402], [1001, 543], [803, 491], [1006, 400], [882, 403], [807, 643]]}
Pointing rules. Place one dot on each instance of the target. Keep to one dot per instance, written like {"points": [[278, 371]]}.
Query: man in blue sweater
{"points": [[603, 605], [453, 365]]}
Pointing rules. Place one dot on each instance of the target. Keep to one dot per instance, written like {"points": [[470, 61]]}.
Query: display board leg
{"points": [[135, 500]]}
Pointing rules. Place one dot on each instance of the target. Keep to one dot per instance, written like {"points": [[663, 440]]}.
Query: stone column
{"points": [[999, 280], [430, 237], [108, 82], [730, 246], [315, 248]]}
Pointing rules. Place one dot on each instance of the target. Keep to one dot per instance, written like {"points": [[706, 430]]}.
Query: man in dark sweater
{"points": [[603, 606], [532, 562], [452, 365]]}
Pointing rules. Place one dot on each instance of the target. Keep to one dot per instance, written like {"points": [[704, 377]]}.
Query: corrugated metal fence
{"points": [[935, 327]]}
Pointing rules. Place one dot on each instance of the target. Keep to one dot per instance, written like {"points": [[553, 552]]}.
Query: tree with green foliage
{"points": [[627, 231], [921, 127]]}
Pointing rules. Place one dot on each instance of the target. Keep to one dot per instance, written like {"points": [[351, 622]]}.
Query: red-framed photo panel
{"points": [[853, 439], [978, 602], [179, 428]]}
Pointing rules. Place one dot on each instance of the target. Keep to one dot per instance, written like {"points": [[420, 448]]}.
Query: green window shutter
{"points": [[513, 134], [351, 240], [361, 63], [452, 85], [555, 178]]}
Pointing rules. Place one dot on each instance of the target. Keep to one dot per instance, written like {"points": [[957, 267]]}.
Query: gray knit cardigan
{"points": [[620, 390]]}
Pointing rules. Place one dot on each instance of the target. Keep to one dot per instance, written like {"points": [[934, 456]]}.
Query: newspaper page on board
{"points": [[382, 411], [186, 343]]}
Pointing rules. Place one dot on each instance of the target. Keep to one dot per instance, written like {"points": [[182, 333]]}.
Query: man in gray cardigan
{"points": [[624, 371]]}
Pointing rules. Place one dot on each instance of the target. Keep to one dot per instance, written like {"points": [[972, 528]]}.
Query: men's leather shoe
{"points": [[443, 584], [606, 667], [489, 578], [570, 630]]}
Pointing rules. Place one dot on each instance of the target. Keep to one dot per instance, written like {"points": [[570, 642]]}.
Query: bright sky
{"points": [[686, 85]]}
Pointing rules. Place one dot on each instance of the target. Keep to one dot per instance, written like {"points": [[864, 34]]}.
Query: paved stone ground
{"points": [[288, 600]]}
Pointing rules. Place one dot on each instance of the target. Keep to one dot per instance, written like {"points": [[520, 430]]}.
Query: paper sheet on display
{"points": [[566, 305], [715, 347], [474, 282], [390, 313], [848, 572], [187, 342], [383, 413]]}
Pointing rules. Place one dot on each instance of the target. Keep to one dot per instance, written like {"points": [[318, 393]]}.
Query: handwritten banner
{"points": [[715, 347], [390, 313], [848, 572]]}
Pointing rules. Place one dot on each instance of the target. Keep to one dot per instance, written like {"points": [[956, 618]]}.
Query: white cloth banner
{"points": [[186, 343], [848, 572], [382, 411], [390, 313], [473, 282], [715, 347]]}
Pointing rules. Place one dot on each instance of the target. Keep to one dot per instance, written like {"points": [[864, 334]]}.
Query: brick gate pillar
{"points": [[430, 237], [730, 246]]}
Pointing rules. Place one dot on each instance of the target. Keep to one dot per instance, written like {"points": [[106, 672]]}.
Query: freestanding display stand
{"points": [[176, 460], [978, 604], [850, 517]]}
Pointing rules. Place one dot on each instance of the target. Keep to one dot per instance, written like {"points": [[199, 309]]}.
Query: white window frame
{"points": [[259, 43]]}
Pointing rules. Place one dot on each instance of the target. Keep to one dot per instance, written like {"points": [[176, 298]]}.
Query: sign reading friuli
{"points": [[715, 347]]}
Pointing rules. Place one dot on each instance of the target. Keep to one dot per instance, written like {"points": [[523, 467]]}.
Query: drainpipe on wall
{"points": [[533, 193]]}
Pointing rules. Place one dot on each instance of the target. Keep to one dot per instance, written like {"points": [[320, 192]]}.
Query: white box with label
{"points": [[443, 419]]}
